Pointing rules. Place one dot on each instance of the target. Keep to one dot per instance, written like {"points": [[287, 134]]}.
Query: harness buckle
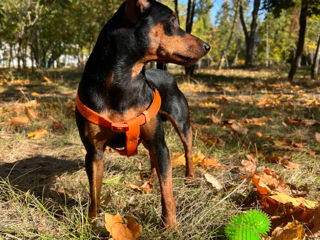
{"points": [[119, 127]]}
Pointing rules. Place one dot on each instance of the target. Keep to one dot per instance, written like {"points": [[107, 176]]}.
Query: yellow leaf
{"points": [[296, 202], [38, 134], [293, 230], [35, 94], [121, 231], [178, 160]]}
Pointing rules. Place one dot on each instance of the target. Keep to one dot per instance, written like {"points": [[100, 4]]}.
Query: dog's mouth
{"points": [[185, 60]]}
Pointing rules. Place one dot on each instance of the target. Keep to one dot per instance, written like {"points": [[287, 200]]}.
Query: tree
{"points": [[307, 9], [189, 22], [315, 64], [250, 35], [203, 20], [279, 35], [224, 53]]}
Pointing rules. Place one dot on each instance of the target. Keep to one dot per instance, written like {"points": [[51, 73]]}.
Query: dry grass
{"points": [[43, 185]]}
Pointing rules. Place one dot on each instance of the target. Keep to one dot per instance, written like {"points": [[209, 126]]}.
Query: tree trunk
{"points": [[250, 37], [300, 43], [316, 59], [19, 52], [225, 51], [189, 22], [10, 55], [176, 8], [38, 48]]}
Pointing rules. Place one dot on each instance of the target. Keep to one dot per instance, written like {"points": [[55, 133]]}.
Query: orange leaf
{"points": [[210, 163], [19, 121], [38, 134], [48, 80], [269, 182], [146, 187], [30, 113], [121, 231]]}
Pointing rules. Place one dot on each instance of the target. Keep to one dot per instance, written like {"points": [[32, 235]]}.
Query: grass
{"points": [[43, 184]]}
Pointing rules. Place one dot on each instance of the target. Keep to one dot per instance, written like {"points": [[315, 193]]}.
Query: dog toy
{"points": [[247, 226]]}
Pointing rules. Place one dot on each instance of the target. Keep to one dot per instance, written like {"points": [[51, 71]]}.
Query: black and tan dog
{"points": [[115, 92]]}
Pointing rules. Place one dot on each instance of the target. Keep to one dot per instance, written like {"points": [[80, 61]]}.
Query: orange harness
{"points": [[131, 127]]}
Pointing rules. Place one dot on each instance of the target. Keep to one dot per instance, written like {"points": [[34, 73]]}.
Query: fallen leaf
{"points": [[30, 113], [48, 80], [146, 187], [212, 141], [215, 120], [210, 163], [249, 166], [114, 180], [259, 134], [213, 181], [19, 121], [178, 160], [295, 202], [38, 134], [317, 137], [121, 231], [283, 160], [269, 182], [198, 158], [35, 94], [256, 121], [64, 192], [32, 103], [238, 129], [293, 230]]}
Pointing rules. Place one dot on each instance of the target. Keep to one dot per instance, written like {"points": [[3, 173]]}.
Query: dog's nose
{"points": [[206, 47]]}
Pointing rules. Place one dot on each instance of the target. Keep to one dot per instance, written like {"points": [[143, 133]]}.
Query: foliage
{"points": [[221, 33]]}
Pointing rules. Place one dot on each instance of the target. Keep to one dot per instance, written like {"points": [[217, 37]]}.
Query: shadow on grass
{"points": [[36, 174]]}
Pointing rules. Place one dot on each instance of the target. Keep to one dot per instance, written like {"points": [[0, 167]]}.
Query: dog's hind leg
{"points": [[178, 114]]}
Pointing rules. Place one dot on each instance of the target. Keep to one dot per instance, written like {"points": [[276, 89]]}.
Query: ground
{"points": [[236, 114]]}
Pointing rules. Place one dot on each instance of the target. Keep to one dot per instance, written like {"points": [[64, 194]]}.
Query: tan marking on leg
{"points": [[95, 187]]}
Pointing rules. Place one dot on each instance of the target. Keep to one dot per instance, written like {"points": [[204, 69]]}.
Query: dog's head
{"points": [[167, 42]]}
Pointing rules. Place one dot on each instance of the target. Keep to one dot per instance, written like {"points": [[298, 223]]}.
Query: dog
{"points": [[120, 104]]}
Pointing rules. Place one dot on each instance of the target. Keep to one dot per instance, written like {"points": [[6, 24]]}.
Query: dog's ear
{"points": [[133, 6]]}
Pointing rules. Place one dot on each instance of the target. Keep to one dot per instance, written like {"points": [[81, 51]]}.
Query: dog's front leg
{"points": [[153, 136], [94, 169]]}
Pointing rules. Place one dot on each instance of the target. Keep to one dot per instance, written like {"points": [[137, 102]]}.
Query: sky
{"points": [[216, 7]]}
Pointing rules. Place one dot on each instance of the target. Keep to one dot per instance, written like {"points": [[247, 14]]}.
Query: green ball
{"points": [[247, 226]]}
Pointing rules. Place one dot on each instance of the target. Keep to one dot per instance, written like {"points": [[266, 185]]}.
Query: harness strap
{"points": [[131, 127]]}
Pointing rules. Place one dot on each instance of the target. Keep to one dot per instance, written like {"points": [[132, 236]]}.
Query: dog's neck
{"points": [[117, 80]]}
